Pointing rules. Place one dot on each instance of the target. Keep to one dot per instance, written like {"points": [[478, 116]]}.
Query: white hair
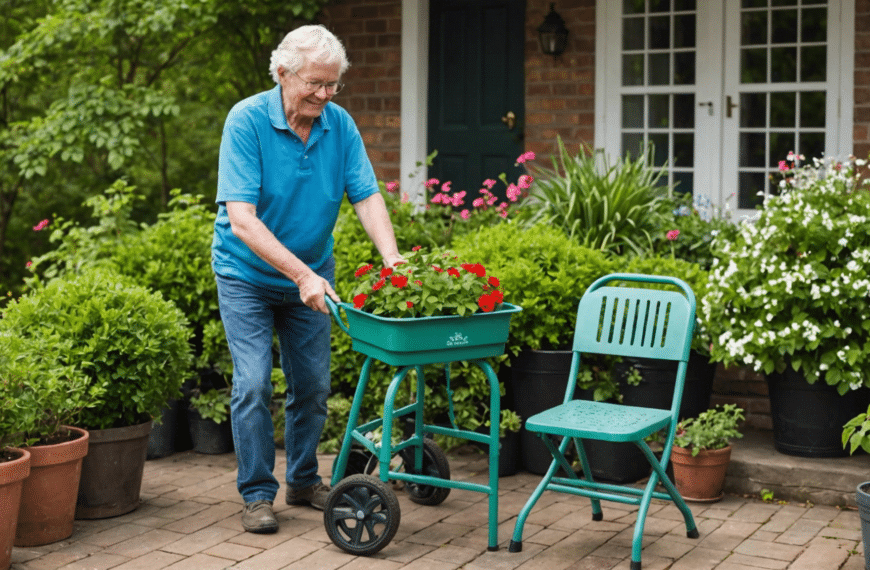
{"points": [[308, 43]]}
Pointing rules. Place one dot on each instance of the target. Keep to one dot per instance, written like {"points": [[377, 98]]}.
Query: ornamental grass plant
{"points": [[792, 287]]}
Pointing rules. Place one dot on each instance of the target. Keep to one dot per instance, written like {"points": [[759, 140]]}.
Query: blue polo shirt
{"points": [[296, 187]]}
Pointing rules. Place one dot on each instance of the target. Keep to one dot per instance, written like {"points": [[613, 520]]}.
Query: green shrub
{"points": [[125, 339], [543, 271]]}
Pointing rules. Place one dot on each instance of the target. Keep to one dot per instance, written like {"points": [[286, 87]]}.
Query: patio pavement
{"points": [[190, 519]]}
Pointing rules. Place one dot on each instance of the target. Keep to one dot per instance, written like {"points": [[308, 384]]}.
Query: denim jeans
{"points": [[250, 314]]}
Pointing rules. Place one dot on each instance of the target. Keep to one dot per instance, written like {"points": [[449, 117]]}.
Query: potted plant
{"points": [[39, 397], [208, 418], [126, 340], [702, 451], [789, 297], [546, 272]]}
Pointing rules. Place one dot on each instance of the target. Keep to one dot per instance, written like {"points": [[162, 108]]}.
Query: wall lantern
{"points": [[552, 34]]}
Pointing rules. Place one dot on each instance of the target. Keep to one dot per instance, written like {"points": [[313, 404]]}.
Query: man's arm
{"points": [[372, 213], [254, 233]]}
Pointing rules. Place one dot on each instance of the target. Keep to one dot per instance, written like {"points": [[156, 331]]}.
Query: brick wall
{"points": [[861, 134], [560, 92], [372, 34]]}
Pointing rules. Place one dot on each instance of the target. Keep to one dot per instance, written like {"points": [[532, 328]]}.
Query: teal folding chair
{"points": [[623, 321]]}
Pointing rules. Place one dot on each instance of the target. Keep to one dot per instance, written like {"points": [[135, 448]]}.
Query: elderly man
{"points": [[288, 157]]}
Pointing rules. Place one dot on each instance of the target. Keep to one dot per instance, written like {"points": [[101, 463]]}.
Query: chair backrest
{"points": [[636, 322]]}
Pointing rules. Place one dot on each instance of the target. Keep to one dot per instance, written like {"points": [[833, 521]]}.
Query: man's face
{"points": [[305, 92]]}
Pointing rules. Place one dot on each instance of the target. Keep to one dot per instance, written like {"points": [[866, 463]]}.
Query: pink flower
{"points": [[525, 157], [503, 213], [405, 198], [489, 183], [392, 186], [431, 182], [478, 202], [513, 193], [440, 199], [457, 199], [492, 200], [446, 186], [28, 264], [525, 181], [783, 166], [40, 226], [673, 235], [465, 214]]}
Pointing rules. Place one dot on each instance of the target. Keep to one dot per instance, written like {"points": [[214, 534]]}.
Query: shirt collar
{"points": [[276, 112]]}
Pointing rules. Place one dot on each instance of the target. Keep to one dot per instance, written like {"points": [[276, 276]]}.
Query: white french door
{"points": [[724, 89]]}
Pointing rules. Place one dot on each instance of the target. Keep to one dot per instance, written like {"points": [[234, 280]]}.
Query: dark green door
{"points": [[476, 90]]}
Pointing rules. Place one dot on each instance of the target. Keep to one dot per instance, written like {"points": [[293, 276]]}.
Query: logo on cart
{"points": [[457, 340]]}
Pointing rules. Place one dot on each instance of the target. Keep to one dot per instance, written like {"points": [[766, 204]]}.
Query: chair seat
{"points": [[599, 420]]}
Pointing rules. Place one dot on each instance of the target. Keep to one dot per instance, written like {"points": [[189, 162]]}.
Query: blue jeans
{"points": [[250, 314]]}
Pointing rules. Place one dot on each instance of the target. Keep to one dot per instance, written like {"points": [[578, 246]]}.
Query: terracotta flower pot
{"points": [[12, 476], [48, 498], [700, 478]]}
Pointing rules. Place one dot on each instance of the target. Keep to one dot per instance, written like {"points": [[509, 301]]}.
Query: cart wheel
{"points": [[361, 515], [434, 465], [360, 461]]}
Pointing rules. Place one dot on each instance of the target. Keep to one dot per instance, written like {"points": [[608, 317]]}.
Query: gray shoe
{"points": [[315, 495], [259, 518]]}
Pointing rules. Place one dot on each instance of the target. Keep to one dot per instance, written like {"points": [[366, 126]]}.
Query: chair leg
{"points": [[597, 513], [691, 528]]}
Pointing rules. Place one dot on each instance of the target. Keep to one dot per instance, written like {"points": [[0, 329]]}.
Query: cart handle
{"points": [[334, 309]]}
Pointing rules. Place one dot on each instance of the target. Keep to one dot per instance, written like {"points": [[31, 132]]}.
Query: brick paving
{"points": [[190, 519]]}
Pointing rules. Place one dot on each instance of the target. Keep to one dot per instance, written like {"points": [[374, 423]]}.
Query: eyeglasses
{"points": [[331, 87]]}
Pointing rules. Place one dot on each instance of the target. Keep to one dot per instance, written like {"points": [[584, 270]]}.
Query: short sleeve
{"points": [[240, 163]]}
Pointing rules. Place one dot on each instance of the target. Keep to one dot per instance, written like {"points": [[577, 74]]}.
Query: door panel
{"points": [[475, 79]]}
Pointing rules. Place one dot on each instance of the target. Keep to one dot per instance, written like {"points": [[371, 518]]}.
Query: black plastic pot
{"points": [[539, 381], [208, 436], [658, 378], [161, 442], [808, 418]]}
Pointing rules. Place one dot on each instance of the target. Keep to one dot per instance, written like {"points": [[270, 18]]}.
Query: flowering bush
{"points": [[427, 284], [793, 285], [696, 222]]}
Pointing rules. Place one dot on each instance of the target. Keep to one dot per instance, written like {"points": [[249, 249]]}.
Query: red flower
{"points": [[417, 248], [410, 305], [359, 300], [418, 283], [398, 281], [380, 283], [475, 268], [453, 272], [438, 269], [486, 303], [386, 271], [497, 296], [493, 281], [363, 270], [673, 235]]}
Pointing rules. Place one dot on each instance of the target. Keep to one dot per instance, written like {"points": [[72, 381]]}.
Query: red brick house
{"points": [[723, 88]]}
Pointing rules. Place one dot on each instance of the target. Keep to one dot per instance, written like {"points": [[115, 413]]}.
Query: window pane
{"points": [[632, 111], [684, 31], [659, 69], [632, 6], [813, 63], [753, 110], [780, 145], [659, 5], [684, 68], [752, 149], [658, 111], [632, 69], [660, 143], [749, 184], [814, 25], [684, 111], [684, 182], [784, 26], [660, 32], [632, 34], [753, 28], [753, 66], [632, 143], [813, 109], [783, 65], [754, 3], [812, 144], [680, 5], [782, 110], [784, 3], [684, 149]]}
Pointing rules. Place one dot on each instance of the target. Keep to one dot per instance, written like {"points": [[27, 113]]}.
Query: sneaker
{"points": [[259, 518], [315, 495]]}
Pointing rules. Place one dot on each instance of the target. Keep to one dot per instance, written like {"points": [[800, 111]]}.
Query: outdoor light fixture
{"points": [[552, 34]]}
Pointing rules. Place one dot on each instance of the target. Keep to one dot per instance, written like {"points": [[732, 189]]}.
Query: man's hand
{"points": [[313, 288]]}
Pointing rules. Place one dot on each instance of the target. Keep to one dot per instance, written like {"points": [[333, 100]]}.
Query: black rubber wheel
{"points": [[360, 461], [361, 515], [434, 465]]}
